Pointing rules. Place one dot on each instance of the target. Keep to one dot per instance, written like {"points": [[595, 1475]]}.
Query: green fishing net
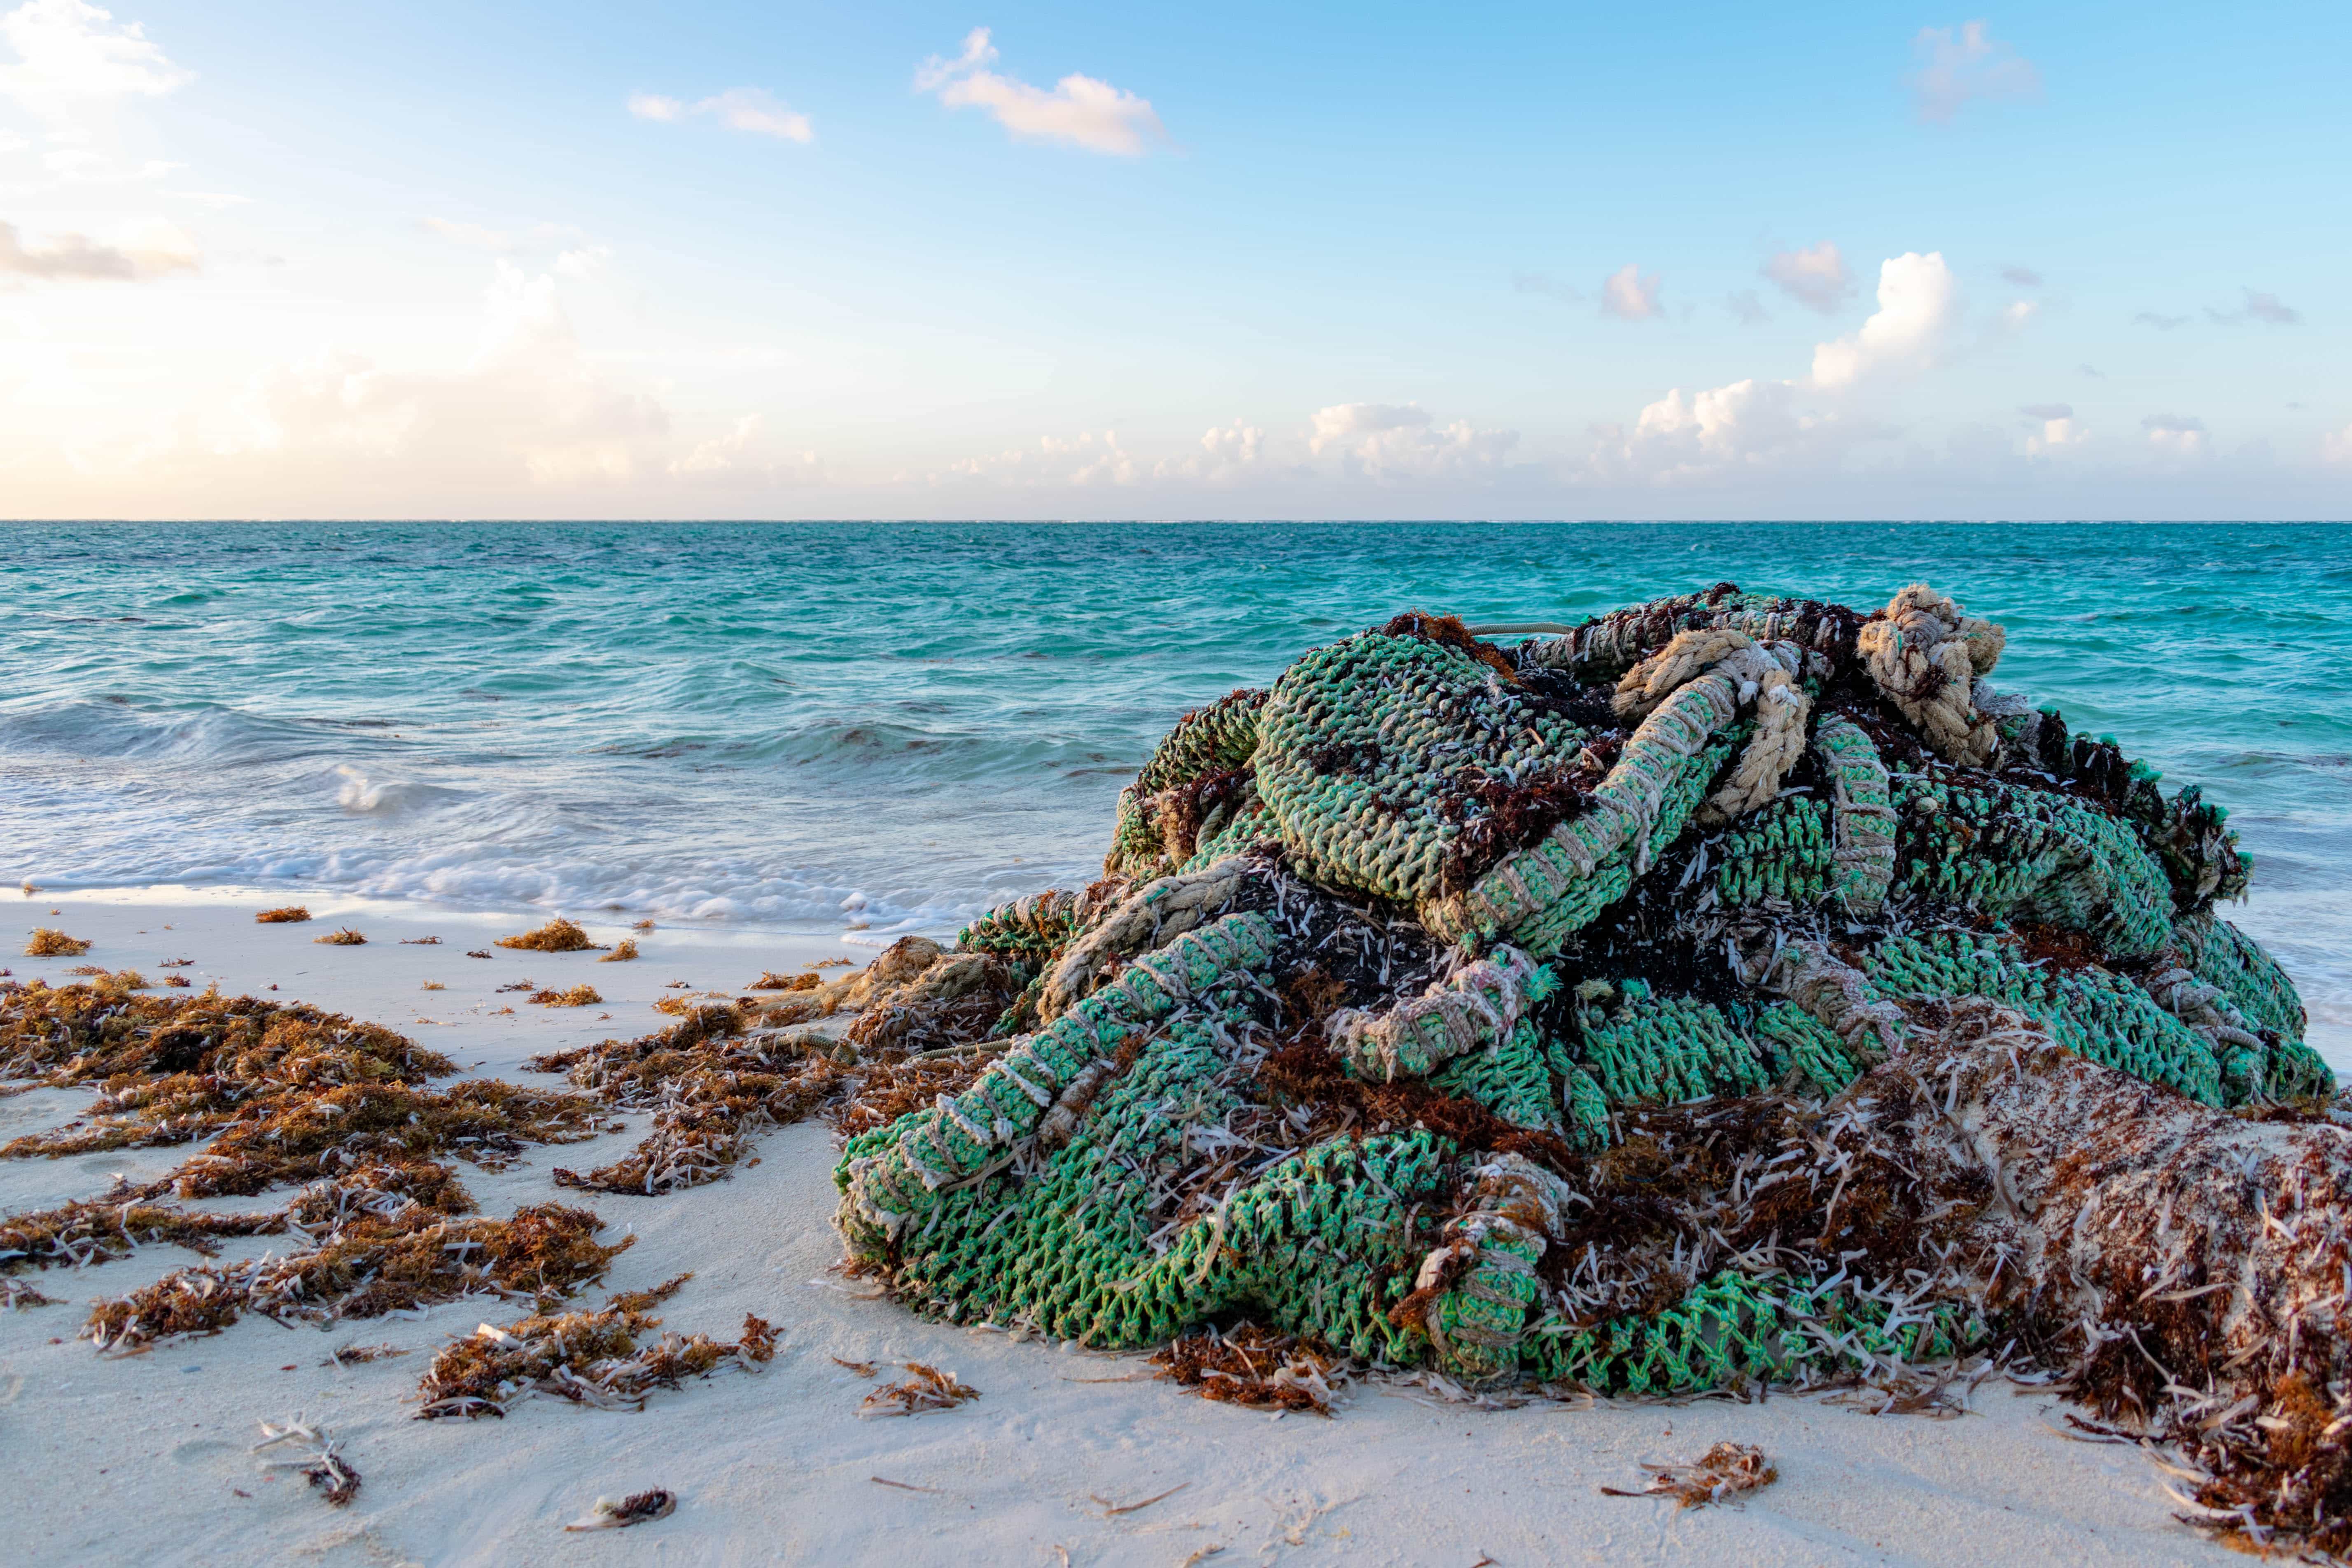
{"points": [[1477, 1008]]}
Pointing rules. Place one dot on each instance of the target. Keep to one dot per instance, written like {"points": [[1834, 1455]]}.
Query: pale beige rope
{"points": [[1478, 1007], [1152, 916], [1834, 993], [1764, 675], [1924, 656]]}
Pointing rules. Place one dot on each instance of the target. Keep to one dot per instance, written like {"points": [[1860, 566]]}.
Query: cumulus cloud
{"points": [[2161, 322], [1227, 452], [2176, 435], [2057, 428], [1815, 277], [1958, 66], [528, 410], [2020, 277], [162, 250], [2259, 307], [1918, 300], [1750, 427], [2056, 435], [722, 454], [2336, 447], [72, 55], [747, 109], [1387, 442], [1080, 110], [1630, 296]]}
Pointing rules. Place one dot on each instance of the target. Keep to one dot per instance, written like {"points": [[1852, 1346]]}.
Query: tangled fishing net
{"points": [[1731, 990]]}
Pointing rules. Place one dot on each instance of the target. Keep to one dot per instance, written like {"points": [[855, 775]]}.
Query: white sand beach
{"points": [[145, 1458]]}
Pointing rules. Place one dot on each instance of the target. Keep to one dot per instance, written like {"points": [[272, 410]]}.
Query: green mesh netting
{"points": [[1502, 943]]}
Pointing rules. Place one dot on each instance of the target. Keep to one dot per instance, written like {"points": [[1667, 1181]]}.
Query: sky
{"points": [[1371, 260]]}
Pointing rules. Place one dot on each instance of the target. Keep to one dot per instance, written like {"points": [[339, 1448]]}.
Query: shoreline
{"points": [[144, 1458]]}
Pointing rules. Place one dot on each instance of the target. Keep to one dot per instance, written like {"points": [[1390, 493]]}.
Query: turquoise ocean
{"points": [[892, 726]]}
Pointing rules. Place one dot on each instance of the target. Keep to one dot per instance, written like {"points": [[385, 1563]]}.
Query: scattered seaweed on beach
{"points": [[1254, 1366], [370, 1263], [420, 941], [344, 936], [478, 953], [1725, 1470], [643, 925], [589, 1358], [15, 1294], [622, 951], [929, 1389], [359, 1355], [570, 997], [635, 1508], [48, 942], [289, 1096], [179, 983], [558, 935], [94, 1230], [770, 981], [711, 1082], [289, 915]]}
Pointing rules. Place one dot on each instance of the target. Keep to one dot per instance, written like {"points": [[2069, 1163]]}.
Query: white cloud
{"points": [[747, 109], [2336, 447], [2018, 313], [160, 250], [1918, 300], [1956, 66], [2259, 307], [1629, 296], [720, 452], [1080, 110], [1387, 442], [2022, 276], [1746, 427], [1815, 277], [528, 410], [2176, 435], [72, 55], [2161, 323], [2060, 429], [1227, 451]]}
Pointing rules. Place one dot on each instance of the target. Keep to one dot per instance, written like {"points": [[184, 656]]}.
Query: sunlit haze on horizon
{"points": [[1217, 261]]}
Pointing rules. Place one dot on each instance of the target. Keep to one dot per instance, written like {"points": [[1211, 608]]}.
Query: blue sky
{"points": [[1315, 260]]}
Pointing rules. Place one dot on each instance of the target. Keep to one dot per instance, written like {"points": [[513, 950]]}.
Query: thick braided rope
{"points": [[1478, 1008], [1862, 815], [1834, 993], [1924, 656], [885, 1183], [1765, 677], [1580, 866]]}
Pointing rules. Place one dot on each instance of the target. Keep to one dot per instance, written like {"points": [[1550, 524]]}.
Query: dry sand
{"points": [[145, 1459]]}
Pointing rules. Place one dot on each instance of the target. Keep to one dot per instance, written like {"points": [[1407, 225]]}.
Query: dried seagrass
{"points": [[288, 1095], [1737, 989]]}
